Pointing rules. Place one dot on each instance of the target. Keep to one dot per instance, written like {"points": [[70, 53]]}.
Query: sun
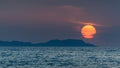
{"points": [[88, 31]]}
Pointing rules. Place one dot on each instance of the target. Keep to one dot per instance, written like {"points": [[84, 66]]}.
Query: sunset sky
{"points": [[43, 20]]}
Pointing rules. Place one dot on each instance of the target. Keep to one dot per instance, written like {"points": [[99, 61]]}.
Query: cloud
{"points": [[86, 23], [48, 14]]}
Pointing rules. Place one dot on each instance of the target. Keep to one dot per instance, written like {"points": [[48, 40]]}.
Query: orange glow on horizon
{"points": [[88, 31]]}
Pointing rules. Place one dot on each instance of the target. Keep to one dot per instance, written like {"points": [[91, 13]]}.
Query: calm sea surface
{"points": [[59, 57]]}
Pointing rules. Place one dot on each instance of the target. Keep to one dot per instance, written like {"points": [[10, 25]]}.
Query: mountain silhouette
{"points": [[51, 43]]}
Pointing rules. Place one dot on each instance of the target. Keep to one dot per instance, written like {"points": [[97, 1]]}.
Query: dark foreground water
{"points": [[59, 57]]}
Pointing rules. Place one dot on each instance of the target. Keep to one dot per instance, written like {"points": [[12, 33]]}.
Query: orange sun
{"points": [[88, 31]]}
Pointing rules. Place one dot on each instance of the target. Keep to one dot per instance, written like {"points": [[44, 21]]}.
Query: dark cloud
{"points": [[49, 13]]}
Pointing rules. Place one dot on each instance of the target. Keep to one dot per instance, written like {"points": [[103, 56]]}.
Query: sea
{"points": [[59, 57]]}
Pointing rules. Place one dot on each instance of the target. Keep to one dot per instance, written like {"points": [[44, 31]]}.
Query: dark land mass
{"points": [[51, 43]]}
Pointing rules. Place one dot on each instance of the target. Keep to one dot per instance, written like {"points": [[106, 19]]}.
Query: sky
{"points": [[43, 20]]}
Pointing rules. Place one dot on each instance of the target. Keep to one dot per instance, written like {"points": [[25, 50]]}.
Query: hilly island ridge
{"points": [[51, 43]]}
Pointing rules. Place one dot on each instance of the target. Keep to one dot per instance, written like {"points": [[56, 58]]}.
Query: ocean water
{"points": [[59, 57]]}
